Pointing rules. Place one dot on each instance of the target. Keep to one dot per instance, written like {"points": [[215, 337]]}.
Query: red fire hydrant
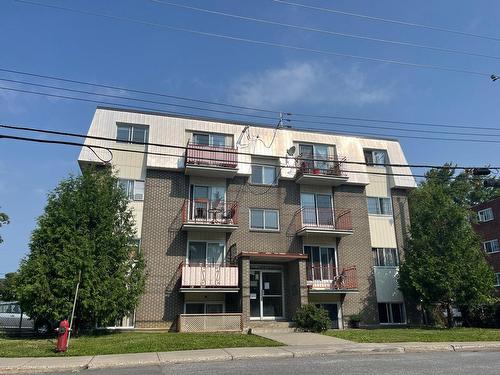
{"points": [[62, 336]]}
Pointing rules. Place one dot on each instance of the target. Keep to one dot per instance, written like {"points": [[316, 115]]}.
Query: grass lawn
{"points": [[417, 334], [130, 342]]}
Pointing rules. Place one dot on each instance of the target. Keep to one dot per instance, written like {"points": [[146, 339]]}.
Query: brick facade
{"points": [[490, 230], [164, 245]]}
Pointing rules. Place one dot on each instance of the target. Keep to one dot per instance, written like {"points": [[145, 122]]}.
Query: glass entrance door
{"points": [[266, 294]]}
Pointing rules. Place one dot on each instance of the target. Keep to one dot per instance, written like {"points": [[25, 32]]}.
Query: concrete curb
{"points": [[45, 364]]}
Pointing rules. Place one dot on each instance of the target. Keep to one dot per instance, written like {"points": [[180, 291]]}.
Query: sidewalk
{"points": [[31, 365]]}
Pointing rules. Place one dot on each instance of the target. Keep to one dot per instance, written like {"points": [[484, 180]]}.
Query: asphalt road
{"points": [[484, 363]]}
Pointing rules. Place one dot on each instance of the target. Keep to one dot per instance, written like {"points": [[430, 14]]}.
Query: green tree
{"points": [[7, 287], [444, 263], [87, 226], [4, 220]]}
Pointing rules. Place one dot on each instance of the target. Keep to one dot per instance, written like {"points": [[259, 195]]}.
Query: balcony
{"points": [[211, 161], [327, 279], [323, 221], [209, 277], [212, 215], [326, 171]]}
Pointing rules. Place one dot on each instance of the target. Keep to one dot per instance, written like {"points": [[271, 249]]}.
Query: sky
{"points": [[115, 52]]}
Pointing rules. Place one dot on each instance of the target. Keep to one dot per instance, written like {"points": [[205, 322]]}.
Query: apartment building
{"points": [[240, 224], [488, 228]]}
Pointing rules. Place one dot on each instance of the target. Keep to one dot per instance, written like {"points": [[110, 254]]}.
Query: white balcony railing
{"points": [[209, 275]]}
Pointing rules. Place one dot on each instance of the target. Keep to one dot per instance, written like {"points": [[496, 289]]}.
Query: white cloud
{"points": [[308, 83]]}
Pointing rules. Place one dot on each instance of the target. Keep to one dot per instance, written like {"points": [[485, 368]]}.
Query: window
{"points": [[211, 139], [386, 257], [316, 157], [485, 215], [317, 209], [264, 219], [391, 313], [379, 206], [207, 202], [132, 133], [491, 246], [133, 188], [497, 279], [321, 262], [375, 157], [263, 175], [203, 308], [205, 252]]}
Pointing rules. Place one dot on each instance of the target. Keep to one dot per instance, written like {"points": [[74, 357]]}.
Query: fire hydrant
{"points": [[62, 336]]}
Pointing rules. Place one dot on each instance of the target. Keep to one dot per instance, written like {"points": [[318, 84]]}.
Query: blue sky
{"points": [[53, 42]]}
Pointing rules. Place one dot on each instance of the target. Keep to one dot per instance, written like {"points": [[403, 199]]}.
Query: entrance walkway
{"points": [[303, 338]]}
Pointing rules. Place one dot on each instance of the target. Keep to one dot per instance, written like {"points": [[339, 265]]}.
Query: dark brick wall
{"points": [[285, 198], [164, 248], [356, 250]]}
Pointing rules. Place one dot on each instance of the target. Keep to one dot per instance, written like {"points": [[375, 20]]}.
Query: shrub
{"points": [[312, 318]]}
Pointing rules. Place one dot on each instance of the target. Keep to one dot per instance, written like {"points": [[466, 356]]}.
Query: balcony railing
{"points": [[328, 166], [331, 278], [212, 212], [324, 218], [209, 275], [211, 156]]}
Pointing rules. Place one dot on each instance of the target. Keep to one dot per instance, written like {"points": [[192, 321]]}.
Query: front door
{"points": [[266, 294]]}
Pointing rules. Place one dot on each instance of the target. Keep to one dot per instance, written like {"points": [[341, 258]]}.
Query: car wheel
{"points": [[42, 328]]}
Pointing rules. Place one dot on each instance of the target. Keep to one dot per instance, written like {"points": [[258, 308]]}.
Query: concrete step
{"points": [[271, 327]]}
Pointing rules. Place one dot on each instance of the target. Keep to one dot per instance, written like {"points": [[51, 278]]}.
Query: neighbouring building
{"points": [[488, 228], [240, 224]]}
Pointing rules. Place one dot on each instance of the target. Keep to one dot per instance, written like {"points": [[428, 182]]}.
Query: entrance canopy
{"points": [[272, 257]]}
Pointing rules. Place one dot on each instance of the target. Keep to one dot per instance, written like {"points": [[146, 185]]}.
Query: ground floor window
{"points": [[333, 312], [391, 313], [203, 308]]}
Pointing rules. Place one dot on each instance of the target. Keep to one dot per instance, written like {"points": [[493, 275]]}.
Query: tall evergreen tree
{"points": [[444, 263], [87, 226]]}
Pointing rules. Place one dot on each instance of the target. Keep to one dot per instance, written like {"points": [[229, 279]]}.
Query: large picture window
{"points": [[391, 313], [134, 189], [264, 219], [379, 206], [321, 262], [374, 157], [132, 133], [212, 139], [386, 257], [485, 215], [205, 252], [263, 175]]}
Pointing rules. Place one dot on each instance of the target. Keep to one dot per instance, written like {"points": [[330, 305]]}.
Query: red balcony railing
{"points": [[328, 166], [211, 156], [324, 218], [204, 211], [209, 275], [330, 277]]}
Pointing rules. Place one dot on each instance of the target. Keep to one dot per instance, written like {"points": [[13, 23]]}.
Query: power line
{"points": [[223, 151], [323, 31], [398, 22], [137, 99], [277, 112], [264, 42], [243, 114], [146, 152], [350, 133]]}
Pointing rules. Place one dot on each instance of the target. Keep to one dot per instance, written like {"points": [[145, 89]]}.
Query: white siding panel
{"points": [[382, 231]]}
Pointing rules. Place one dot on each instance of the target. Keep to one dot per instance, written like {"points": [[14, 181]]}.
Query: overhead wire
{"points": [[381, 19], [265, 42], [323, 31], [294, 114], [336, 132], [225, 151]]}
